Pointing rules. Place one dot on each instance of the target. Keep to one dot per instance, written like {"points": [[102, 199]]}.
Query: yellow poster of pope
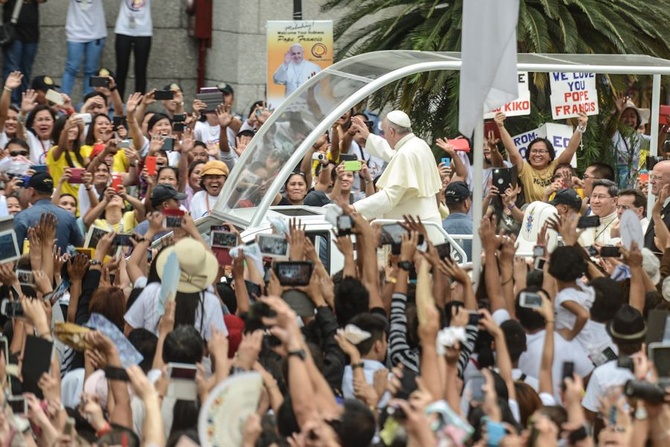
{"points": [[297, 51]]}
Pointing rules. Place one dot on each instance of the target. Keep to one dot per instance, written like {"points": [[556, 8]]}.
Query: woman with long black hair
{"points": [[69, 153], [196, 303]]}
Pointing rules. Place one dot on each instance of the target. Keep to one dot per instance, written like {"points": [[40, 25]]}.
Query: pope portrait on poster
{"points": [[297, 51]]}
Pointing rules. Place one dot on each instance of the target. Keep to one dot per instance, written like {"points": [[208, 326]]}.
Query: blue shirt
{"points": [[67, 231], [143, 227], [460, 223]]}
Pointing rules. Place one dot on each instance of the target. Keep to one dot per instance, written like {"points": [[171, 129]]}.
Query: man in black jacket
{"points": [[660, 176]]}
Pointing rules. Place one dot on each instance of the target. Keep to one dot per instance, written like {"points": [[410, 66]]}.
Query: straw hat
{"points": [[198, 266]]}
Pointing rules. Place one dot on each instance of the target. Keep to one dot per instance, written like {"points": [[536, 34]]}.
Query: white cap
{"points": [[666, 289], [399, 118], [651, 265]]}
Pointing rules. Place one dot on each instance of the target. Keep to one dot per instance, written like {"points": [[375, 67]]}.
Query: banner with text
{"points": [[572, 94], [297, 50], [518, 107], [558, 135]]}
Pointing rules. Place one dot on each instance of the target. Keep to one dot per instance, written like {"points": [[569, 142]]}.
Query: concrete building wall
{"points": [[237, 54], [173, 56]]}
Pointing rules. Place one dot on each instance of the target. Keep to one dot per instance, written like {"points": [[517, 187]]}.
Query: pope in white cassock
{"points": [[295, 70], [411, 181]]}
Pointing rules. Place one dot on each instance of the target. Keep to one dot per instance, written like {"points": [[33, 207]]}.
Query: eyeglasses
{"points": [[18, 154], [586, 177], [539, 151], [656, 178]]}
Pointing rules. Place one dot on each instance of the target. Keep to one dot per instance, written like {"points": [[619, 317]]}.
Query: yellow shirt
{"points": [[120, 163], [535, 181], [57, 168], [127, 224]]}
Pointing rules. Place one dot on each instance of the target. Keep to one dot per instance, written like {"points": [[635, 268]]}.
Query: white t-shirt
{"points": [[85, 21], [369, 369], [597, 341], [144, 312], [198, 204], [564, 351], [603, 377], [38, 148], [134, 18], [210, 134], [566, 319]]}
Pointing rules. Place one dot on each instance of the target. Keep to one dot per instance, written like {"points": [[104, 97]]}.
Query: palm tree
{"points": [[545, 26]]}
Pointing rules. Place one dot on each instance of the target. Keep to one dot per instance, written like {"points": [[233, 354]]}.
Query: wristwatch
{"points": [[300, 353], [405, 265], [95, 262]]}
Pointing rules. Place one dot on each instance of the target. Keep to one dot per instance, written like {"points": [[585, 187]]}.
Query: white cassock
{"points": [[600, 234], [294, 75], [409, 183]]}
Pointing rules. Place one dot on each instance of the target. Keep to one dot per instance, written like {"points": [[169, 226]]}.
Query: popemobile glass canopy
{"points": [[280, 144]]}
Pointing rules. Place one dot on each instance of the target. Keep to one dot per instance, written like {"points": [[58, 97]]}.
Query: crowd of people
{"points": [[399, 348]]}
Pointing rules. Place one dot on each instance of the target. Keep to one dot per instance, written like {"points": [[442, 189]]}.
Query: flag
{"points": [[488, 53]]}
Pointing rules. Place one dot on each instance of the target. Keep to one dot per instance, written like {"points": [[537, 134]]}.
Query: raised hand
{"points": [[77, 267], [133, 101], [620, 100], [28, 100], [499, 119], [224, 116], [13, 81], [446, 147]]}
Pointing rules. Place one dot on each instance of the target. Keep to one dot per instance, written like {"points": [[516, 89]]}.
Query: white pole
{"points": [[477, 199], [655, 109]]}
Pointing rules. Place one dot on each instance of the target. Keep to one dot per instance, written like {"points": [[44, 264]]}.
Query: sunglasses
{"points": [[18, 154]]}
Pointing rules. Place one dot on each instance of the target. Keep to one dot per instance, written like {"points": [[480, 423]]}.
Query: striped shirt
{"points": [[401, 352]]}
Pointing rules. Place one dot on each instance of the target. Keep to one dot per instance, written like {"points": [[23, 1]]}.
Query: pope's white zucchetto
{"points": [[399, 118]]}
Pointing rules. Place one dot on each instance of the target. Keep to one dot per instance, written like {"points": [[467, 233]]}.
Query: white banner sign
{"points": [[572, 94], [518, 107]]}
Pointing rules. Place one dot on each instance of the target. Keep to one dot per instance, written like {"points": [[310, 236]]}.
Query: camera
{"points": [[319, 156], [654, 393]]}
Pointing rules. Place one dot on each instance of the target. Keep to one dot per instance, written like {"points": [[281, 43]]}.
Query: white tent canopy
{"points": [[312, 109]]}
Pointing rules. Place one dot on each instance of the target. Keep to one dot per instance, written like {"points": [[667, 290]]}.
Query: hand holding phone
{"points": [[117, 182], [173, 218], [164, 95], [76, 176], [99, 81], [150, 164]]}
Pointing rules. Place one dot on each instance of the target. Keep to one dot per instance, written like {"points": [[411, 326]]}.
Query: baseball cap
{"points": [[226, 89], [43, 83], [42, 182], [567, 197], [161, 193], [105, 72], [457, 192]]}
